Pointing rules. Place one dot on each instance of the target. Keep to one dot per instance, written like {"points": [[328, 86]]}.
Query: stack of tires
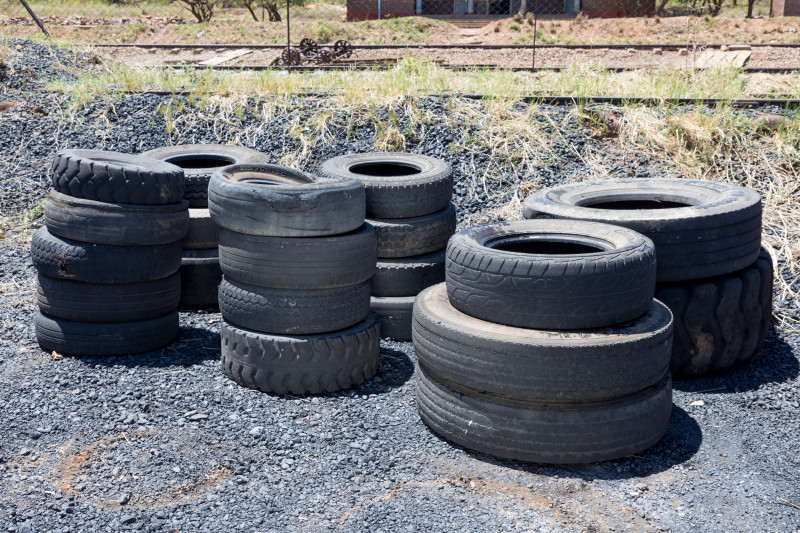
{"points": [[545, 343], [108, 256], [409, 205], [200, 271], [712, 272], [296, 258]]}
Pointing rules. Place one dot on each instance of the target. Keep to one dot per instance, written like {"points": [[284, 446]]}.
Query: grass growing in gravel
{"points": [[412, 77]]}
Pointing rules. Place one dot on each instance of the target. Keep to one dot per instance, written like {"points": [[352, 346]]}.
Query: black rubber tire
{"points": [[85, 220], [541, 365], [406, 237], [718, 232], [408, 276], [721, 321], [203, 234], [293, 311], [273, 200], [116, 178], [397, 185], [60, 258], [553, 433], [551, 274], [299, 263], [94, 302], [301, 364], [200, 278], [96, 338], [199, 161], [395, 316]]}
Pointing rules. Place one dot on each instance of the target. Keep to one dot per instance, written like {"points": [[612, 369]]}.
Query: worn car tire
{"points": [[301, 364], [273, 200], [581, 365], [85, 220], [395, 316], [116, 178], [200, 278], [293, 311], [109, 338], [721, 321], [397, 185], [551, 274], [199, 161], [406, 237], [700, 229], [408, 276], [203, 234], [95, 302], [555, 433], [299, 263], [60, 258]]}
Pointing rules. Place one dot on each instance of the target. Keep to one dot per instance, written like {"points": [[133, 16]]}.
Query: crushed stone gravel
{"points": [[164, 442]]}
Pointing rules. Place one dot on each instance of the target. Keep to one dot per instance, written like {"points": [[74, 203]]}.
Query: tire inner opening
{"points": [[200, 161], [542, 245], [633, 205], [385, 170]]}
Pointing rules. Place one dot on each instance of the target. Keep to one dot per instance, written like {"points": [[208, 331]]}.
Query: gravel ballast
{"points": [[163, 441]]}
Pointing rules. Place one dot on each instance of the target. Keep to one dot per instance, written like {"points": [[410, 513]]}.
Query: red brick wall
{"points": [[368, 9], [786, 8], [618, 8]]}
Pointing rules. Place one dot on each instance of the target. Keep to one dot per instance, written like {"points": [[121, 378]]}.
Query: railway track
{"points": [[229, 46]]}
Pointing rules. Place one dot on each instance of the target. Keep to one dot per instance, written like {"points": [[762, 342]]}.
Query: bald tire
{"points": [[553, 433], [60, 258], [293, 311], [299, 263], [99, 338], [118, 302], [301, 364], [700, 228], [578, 365], [719, 322], [96, 222]]}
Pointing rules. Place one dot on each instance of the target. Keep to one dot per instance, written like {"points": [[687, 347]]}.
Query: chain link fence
{"points": [[360, 22]]}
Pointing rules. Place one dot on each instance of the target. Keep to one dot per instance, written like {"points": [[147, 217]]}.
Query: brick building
{"points": [[785, 8], [374, 9]]}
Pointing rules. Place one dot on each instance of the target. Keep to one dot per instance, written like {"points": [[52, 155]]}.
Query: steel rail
{"points": [[447, 46], [379, 67], [741, 103]]}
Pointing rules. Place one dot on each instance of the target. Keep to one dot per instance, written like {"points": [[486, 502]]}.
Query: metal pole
{"points": [[288, 34], [35, 18], [535, 20]]}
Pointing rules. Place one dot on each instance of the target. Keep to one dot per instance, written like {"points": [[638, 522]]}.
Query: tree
{"points": [[202, 10]]}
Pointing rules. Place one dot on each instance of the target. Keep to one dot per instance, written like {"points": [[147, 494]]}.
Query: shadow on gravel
{"points": [[395, 369], [681, 442], [193, 346], [776, 362]]}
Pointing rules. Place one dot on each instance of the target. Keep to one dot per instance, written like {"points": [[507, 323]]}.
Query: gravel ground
{"points": [[163, 442]]}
